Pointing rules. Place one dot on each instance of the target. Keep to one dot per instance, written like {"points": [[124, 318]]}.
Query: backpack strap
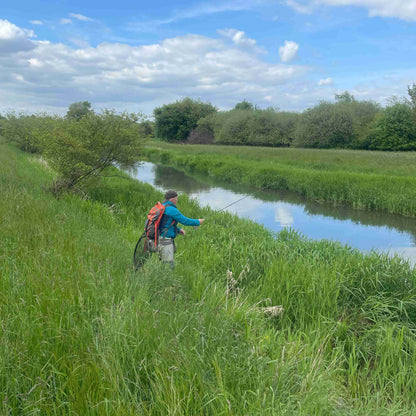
{"points": [[167, 229]]}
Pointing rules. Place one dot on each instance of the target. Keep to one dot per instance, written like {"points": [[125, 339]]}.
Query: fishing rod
{"points": [[229, 205], [222, 209], [232, 203]]}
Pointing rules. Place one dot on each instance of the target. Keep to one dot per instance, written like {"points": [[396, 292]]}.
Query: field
{"points": [[83, 334], [384, 181]]}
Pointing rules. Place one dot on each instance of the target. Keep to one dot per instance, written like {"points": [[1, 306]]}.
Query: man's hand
{"points": [[201, 221], [182, 231]]}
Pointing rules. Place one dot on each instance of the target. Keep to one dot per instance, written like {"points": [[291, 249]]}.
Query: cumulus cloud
{"points": [[14, 39], [239, 38], [326, 81], [283, 215], [36, 22], [80, 17], [402, 9], [288, 52], [148, 75]]}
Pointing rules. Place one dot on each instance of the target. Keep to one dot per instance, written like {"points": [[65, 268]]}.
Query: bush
{"points": [[28, 132], [324, 126], [81, 150], [394, 129], [174, 122], [253, 127]]}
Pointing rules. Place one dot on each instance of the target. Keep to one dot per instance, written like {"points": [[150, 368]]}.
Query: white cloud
{"points": [[65, 21], [36, 22], [283, 215], [14, 39], [198, 10], [239, 38], [326, 81], [144, 76], [288, 52], [45, 76], [300, 8], [402, 9], [80, 17]]}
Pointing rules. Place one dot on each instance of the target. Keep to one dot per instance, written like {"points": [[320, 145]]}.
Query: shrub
{"points": [[394, 129], [324, 126], [28, 132], [174, 122], [255, 128], [81, 150]]}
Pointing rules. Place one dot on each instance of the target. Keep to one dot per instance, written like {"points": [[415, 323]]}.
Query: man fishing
{"points": [[169, 229]]}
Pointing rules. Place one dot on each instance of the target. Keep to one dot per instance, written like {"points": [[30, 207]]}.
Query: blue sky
{"points": [[136, 56]]}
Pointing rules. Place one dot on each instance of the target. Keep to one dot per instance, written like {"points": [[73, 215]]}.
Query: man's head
{"points": [[171, 196]]}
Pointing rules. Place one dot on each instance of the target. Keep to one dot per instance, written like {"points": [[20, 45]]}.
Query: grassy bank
{"points": [[365, 180], [84, 334]]}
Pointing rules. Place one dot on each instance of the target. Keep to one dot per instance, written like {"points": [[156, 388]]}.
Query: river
{"points": [[365, 230]]}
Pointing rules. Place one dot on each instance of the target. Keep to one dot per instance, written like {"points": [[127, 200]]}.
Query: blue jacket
{"points": [[173, 215]]}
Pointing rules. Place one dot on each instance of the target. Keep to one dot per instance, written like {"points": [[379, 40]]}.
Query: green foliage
{"points": [[78, 110], [324, 126], [79, 150], [345, 123], [91, 337], [344, 97], [146, 128], [174, 122], [360, 179], [244, 105], [394, 129], [28, 132], [253, 127], [412, 94]]}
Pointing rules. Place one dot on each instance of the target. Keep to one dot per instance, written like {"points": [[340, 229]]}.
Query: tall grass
{"points": [[82, 333], [351, 182]]}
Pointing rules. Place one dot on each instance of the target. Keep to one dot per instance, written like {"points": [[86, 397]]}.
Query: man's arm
{"points": [[179, 217]]}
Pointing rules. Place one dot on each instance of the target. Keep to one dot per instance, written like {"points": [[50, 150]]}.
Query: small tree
{"points": [[244, 105], [81, 150], [344, 97], [78, 110], [174, 122]]}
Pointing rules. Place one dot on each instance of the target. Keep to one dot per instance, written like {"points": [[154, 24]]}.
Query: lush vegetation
{"points": [[84, 334], [370, 180], [345, 123], [80, 146], [174, 122]]}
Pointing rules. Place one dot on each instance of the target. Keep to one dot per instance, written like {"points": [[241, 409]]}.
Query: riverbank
{"points": [[363, 180], [83, 333]]}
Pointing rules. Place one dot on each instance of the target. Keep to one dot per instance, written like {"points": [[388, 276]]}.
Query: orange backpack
{"points": [[151, 226]]}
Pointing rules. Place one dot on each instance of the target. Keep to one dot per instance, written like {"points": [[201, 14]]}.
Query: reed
{"points": [[363, 180], [82, 333]]}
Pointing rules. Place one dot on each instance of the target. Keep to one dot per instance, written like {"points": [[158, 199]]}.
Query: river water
{"points": [[365, 230]]}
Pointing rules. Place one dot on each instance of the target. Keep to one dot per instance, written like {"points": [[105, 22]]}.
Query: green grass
{"points": [[82, 333], [384, 181]]}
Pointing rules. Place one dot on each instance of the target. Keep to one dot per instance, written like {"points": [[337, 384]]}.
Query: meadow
{"points": [[384, 181], [84, 334]]}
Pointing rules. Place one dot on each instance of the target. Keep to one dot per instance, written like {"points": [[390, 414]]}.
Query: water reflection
{"points": [[362, 229]]}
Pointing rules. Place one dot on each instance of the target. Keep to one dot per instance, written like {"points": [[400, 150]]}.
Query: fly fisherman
{"points": [[169, 229]]}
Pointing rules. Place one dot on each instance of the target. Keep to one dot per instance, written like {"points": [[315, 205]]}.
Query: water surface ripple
{"points": [[365, 230]]}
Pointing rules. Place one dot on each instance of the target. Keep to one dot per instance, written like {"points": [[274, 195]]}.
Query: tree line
{"points": [[345, 123], [81, 145]]}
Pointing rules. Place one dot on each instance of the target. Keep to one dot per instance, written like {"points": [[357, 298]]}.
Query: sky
{"points": [[135, 56]]}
